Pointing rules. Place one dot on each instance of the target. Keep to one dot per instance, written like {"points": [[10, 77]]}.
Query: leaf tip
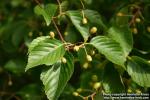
{"points": [[26, 69]]}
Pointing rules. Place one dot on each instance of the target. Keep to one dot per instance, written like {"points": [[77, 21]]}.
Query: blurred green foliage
{"points": [[19, 25]]}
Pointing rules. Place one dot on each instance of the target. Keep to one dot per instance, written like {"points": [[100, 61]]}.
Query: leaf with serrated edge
{"points": [[76, 18], [123, 36], [111, 80], [110, 48], [47, 11], [56, 77], [36, 41], [139, 70], [46, 51]]}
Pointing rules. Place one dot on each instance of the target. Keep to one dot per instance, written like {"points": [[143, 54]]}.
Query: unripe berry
{"points": [[92, 52], [138, 20], [129, 90], [30, 34], [89, 58], [148, 28], [138, 91], [52, 34], [93, 30], [134, 30], [76, 48], [97, 85], [63, 59], [94, 78], [79, 90], [120, 14], [76, 94], [10, 83], [85, 65], [84, 21], [66, 33]]}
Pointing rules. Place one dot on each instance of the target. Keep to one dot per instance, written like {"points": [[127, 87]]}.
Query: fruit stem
{"points": [[83, 7], [59, 33]]}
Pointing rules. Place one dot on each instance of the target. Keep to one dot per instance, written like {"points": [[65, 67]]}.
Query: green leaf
{"points": [[120, 30], [47, 11], [92, 15], [19, 33], [110, 48], [82, 56], [139, 70], [36, 42], [88, 1], [64, 5], [44, 50], [123, 36], [30, 92], [56, 77], [76, 18], [111, 80], [16, 66]]}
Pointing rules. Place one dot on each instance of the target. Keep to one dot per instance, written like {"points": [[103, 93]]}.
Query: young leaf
{"points": [[110, 48], [47, 11], [44, 50], [76, 18], [123, 36], [139, 70], [56, 77], [111, 80]]}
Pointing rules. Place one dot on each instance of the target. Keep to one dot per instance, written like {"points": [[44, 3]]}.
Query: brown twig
{"points": [[90, 96], [83, 7], [59, 33], [2, 93], [134, 17], [38, 3]]}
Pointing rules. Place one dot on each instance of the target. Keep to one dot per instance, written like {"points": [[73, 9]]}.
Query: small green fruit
{"points": [[85, 65], [138, 20], [79, 90], [134, 30], [52, 34], [63, 59], [93, 30], [94, 78], [120, 14], [89, 58], [148, 28], [129, 90], [76, 94], [76, 48], [84, 21], [97, 85]]}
